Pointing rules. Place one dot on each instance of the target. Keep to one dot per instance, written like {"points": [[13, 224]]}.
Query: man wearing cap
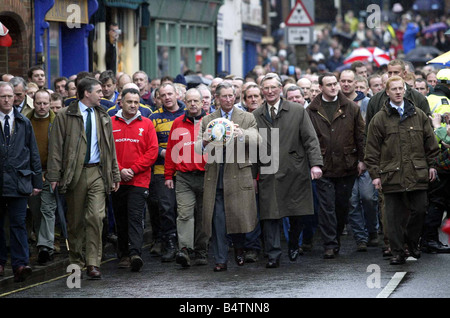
{"points": [[439, 192]]}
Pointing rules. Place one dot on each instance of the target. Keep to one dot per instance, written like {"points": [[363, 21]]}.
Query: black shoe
{"points": [[293, 253], [414, 250], [435, 247], [182, 257], [273, 263], [171, 251], [397, 260], [329, 253], [239, 256], [45, 255], [136, 263]]}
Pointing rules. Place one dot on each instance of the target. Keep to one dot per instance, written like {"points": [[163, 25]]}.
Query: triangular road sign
{"points": [[299, 16]]}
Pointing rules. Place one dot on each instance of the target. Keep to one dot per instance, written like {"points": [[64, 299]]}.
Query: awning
{"points": [[126, 4]]}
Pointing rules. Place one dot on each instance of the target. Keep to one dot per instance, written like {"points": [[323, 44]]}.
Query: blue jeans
{"points": [[17, 211], [362, 216]]}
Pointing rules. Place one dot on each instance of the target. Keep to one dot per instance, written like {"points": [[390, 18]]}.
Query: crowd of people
{"points": [[363, 150]]}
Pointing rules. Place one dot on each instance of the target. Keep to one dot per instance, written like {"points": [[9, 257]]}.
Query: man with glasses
{"points": [[20, 177], [285, 190]]}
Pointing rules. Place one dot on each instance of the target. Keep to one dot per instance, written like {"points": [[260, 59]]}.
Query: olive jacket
{"points": [[400, 151], [68, 145]]}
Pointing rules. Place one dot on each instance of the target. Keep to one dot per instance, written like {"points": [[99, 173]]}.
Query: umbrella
{"points": [[422, 54], [370, 54], [195, 80], [443, 59], [5, 38], [435, 27]]}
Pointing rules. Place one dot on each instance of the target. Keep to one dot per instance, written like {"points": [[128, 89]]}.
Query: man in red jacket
{"points": [[137, 150], [189, 168]]}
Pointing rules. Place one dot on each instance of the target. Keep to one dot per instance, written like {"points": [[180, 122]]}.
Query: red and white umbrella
{"points": [[5, 38], [370, 54]]}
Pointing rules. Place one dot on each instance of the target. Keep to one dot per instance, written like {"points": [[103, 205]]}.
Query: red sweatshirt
{"points": [[180, 154], [136, 148]]}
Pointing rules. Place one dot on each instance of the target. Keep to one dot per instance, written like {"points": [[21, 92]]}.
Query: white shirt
{"points": [[11, 120], [95, 152], [275, 106]]}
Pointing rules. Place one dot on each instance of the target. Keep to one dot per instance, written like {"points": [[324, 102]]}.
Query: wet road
{"points": [[352, 274]]}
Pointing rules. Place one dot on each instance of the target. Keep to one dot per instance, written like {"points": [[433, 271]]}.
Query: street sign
{"points": [[299, 35], [299, 16]]}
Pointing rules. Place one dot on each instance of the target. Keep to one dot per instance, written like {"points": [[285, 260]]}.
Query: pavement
{"points": [[54, 269]]}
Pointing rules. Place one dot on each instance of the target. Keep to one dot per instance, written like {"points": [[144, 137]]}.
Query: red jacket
{"points": [[136, 148], [180, 154]]}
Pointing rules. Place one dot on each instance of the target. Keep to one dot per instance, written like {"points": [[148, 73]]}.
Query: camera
{"points": [[445, 118]]}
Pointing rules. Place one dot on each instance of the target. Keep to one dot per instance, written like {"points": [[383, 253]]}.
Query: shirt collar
{"points": [[402, 106], [276, 105], [229, 113], [82, 106], [10, 114]]}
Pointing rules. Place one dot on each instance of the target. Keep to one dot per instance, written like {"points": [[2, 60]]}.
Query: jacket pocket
{"points": [[24, 185], [350, 157], [245, 176], [421, 171], [390, 175]]}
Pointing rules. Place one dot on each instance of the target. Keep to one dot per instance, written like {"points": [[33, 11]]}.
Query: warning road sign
{"points": [[299, 16]]}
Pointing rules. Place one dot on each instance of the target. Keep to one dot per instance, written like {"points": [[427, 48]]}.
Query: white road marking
{"points": [[393, 283]]}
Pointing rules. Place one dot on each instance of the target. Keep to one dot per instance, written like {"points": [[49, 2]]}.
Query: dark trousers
{"points": [[153, 210], [129, 204], [271, 234], [333, 195], [439, 197], [405, 213], [167, 208], [219, 241], [16, 208]]}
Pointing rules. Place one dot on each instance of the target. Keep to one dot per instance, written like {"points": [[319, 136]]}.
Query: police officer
{"points": [[439, 191]]}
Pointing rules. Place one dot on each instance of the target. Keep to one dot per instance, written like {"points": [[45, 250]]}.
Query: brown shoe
{"points": [[124, 262], [93, 272], [220, 267], [21, 273]]}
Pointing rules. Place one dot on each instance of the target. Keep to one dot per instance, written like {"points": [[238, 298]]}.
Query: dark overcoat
{"points": [[289, 148]]}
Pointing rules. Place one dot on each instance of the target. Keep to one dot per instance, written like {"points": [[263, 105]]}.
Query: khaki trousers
{"points": [[85, 214]]}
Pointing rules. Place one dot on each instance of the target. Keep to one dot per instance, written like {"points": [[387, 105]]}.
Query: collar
{"points": [[82, 106], [402, 106], [329, 101], [229, 113], [10, 114], [276, 106]]}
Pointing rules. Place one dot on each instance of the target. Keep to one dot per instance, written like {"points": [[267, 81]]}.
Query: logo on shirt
{"points": [[141, 130]]}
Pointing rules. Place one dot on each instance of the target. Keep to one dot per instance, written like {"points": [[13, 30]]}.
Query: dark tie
{"points": [[226, 116], [272, 112], [7, 130], [88, 135]]}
